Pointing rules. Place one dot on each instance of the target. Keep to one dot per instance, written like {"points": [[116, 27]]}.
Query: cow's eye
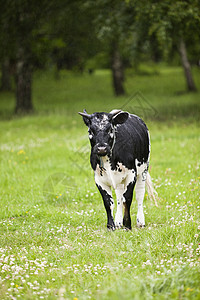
{"points": [[91, 134], [108, 130]]}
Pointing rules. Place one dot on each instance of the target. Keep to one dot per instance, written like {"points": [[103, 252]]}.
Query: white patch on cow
{"points": [[112, 206], [115, 111], [113, 178], [142, 169], [105, 117], [90, 136], [102, 123], [140, 191], [111, 135], [117, 179]]}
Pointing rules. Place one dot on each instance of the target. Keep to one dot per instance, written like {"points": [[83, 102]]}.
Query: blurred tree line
{"points": [[80, 35]]}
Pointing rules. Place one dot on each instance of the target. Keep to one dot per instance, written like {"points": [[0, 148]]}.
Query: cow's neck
{"points": [[102, 161]]}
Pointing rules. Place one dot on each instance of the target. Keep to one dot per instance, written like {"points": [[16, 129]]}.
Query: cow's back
{"points": [[131, 142]]}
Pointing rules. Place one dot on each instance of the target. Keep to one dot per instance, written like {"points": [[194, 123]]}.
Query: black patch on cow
{"points": [[107, 199], [132, 142], [128, 195]]}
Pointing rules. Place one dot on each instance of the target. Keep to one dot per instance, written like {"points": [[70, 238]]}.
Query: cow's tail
{"points": [[153, 195]]}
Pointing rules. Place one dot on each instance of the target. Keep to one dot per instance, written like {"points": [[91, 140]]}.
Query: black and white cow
{"points": [[120, 151]]}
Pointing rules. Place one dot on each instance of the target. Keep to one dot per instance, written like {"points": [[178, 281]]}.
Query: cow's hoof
{"points": [[139, 225], [111, 227], [118, 225], [127, 223], [127, 228]]}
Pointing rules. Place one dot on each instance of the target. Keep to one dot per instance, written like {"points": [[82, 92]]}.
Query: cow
{"points": [[120, 152]]}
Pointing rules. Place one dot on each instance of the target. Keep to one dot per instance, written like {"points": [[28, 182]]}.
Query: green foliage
{"points": [[77, 34], [58, 247], [171, 21], [99, 61], [19, 22]]}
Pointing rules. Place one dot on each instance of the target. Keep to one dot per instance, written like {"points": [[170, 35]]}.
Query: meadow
{"points": [[53, 238]]}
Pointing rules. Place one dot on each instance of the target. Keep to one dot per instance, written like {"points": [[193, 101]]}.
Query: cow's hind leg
{"points": [[140, 191], [109, 205], [120, 199]]}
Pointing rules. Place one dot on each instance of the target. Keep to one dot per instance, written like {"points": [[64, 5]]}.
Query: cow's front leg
{"points": [[108, 203], [128, 195], [120, 199], [140, 191]]}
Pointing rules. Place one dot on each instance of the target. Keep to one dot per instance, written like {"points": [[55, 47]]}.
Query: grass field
{"points": [[53, 238]]}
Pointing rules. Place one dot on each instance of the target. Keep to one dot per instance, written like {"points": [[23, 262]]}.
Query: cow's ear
{"points": [[120, 118], [86, 117]]}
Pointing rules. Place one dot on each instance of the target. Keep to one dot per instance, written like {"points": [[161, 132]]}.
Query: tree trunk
{"points": [[117, 72], [186, 66], [23, 83], [5, 75]]}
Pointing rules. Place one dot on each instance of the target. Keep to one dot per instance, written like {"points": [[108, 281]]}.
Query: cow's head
{"points": [[101, 129]]}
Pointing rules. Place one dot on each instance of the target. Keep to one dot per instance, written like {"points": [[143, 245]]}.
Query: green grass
{"points": [[53, 238]]}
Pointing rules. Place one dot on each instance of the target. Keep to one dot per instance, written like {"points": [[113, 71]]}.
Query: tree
{"points": [[186, 66], [173, 22], [23, 21], [111, 21], [31, 32], [5, 74], [117, 70], [77, 39], [5, 55]]}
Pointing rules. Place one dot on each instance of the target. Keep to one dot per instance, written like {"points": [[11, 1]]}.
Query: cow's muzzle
{"points": [[102, 151]]}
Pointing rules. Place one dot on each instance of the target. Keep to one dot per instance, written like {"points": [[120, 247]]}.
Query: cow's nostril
{"points": [[101, 150]]}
